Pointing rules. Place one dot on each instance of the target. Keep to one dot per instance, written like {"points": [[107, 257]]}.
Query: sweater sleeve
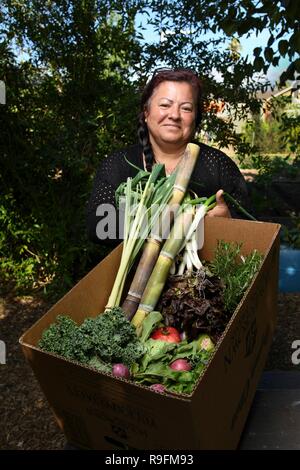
{"points": [[104, 220], [233, 182], [102, 197]]}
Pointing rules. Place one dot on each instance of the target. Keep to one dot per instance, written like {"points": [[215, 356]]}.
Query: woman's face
{"points": [[171, 112]]}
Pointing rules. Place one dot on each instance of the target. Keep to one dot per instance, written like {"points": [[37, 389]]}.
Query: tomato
{"points": [[167, 333]]}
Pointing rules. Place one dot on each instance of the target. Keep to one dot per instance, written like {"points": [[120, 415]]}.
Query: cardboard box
{"points": [[98, 411]]}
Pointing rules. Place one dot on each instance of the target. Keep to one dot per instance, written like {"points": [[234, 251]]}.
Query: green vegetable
{"points": [[236, 271], [100, 341], [149, 324], [155, 365], [171, 247], [140, 193], [152, 247], [65, 338], [238, 206], [157, 351], [96, 363]]}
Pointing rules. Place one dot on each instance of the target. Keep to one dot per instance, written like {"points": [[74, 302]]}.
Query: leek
{"points": [[138, 224]]}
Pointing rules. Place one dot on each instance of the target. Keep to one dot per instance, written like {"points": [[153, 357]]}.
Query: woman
{"points": [[170, 115]]}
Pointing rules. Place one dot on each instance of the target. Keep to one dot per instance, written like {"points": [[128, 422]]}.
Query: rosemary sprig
{"points": [[236, 271]]}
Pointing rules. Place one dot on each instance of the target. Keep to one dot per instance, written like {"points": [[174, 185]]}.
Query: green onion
{"points": [[139, 197]]}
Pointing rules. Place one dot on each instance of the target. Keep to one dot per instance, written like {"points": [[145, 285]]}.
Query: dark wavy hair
{"points": [[178, 75]]}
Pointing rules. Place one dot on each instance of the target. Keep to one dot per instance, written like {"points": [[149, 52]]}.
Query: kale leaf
{"points": [[110, 337]]}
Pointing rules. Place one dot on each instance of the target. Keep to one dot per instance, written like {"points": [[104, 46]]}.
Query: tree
{"points": [[281, 18], [239, 18], [67, 66]]}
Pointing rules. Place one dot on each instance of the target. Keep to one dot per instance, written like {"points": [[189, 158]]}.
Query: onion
{"points": [[183, 336], [157, 388], [120, 370], [181, 364]]}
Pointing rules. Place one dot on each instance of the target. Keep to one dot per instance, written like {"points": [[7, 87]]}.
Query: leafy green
{"points": [[156, 351], [65, 339], [155, 365], [96, 363], [193, 303], [108, 338], [148, 325]]}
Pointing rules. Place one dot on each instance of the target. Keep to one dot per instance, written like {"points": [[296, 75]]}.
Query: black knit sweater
{"points": [[213, 171]]}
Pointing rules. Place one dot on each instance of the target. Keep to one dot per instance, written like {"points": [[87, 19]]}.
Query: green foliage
{"points": [[290, 130], [270, 168], [69, 103], [101, 341], [236, 271], [272, 145], [204, 35], [272, 134], [281, 19], [11, 230], [264, 136]]}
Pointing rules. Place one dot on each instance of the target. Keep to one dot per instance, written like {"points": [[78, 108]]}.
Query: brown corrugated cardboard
{"points": [[98, 411]]}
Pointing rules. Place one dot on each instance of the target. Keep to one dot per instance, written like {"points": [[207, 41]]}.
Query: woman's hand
{"points": [[221, 209]]}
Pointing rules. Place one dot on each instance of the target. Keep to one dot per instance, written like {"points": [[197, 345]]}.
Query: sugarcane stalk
{"points": [[162, 267], [138, 203], [152, 246]]}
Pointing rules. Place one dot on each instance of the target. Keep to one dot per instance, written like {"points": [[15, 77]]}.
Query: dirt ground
{"points": [[26, 420]]}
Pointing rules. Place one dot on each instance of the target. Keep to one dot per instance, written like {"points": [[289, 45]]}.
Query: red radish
{"points": [[157, 387], [167, 333], [120, 370], [181, 364]]}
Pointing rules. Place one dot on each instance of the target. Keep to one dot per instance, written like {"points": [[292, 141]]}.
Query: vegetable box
{"points": [[98, 411]]}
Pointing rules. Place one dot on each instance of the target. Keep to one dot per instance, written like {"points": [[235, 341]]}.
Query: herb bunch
{"points": [[234, 270]]}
